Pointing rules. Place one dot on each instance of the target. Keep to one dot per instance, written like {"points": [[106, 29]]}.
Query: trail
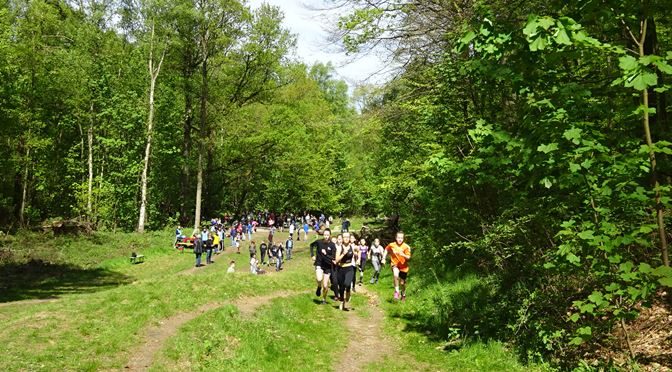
{"points": [[155, 337], [371, 345], [29, 302]]}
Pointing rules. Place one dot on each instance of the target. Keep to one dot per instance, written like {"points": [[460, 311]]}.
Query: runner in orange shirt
{"points": [[399, 253]]}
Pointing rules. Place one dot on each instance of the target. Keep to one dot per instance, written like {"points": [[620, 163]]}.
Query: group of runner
{"points": [[276, 253], [337, 258]]}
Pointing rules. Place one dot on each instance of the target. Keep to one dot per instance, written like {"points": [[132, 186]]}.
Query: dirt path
{"points": [[370, 336], [155, 337], [371, 345], [28, 302]]}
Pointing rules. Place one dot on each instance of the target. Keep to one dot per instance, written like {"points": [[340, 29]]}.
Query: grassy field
{"points": [[78, 304]]}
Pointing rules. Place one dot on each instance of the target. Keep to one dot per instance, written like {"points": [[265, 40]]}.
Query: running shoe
{"points": [[371, 281], [403, 297], [396, 295], [324, 302], [318, 292]]}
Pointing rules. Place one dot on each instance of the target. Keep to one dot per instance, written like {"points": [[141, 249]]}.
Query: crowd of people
{"points": [[337, 259]]}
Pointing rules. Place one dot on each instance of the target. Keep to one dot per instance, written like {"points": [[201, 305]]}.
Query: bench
{"points": [[137, 259]]}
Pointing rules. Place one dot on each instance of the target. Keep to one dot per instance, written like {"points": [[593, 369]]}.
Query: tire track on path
{"points": [[154, 337]]}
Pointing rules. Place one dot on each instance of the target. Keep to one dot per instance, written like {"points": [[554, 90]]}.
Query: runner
{"points": [[357, 255], [345, 259], [323, 253], [399, 253], [377, 251], [363, 250]]}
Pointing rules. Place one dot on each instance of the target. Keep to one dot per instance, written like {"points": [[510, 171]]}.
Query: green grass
{"points": [[428, 345], [92, 326], [273, 339]]}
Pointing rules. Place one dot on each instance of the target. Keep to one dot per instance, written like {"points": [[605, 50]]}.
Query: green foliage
{"points": [[272, 125], [527, 164]]}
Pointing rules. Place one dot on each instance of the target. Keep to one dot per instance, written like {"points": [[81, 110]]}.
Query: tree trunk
{"points": [[185, 180], [24, 189], [153, 74], [143, 179], [89, 195], [203, 136], [199, 187], [652, 158]]}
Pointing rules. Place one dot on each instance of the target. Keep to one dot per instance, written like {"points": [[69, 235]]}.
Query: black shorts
{"points": [[403, 275], [326, 270]]}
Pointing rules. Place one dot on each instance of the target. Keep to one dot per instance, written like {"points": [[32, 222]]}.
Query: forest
{"points": [[523, 145]]}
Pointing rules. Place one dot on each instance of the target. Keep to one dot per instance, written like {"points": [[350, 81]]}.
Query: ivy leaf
{"points": [[584, 331], [645, 268], [548, 148], [642, 81], [612, 287], [587, 308], [576, 341], [546, 182], [627, 63], [573, 167], [664, 67], [667, 281], [466, 39], [596, 298], [663, 271], [573, 259], [562, 37], [573, 134], [546, 22], [531, 27], [587, 235], [587, 164], [538, 44]]}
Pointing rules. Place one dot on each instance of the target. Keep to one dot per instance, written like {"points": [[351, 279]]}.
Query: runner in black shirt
{"points": [[323, 253]]}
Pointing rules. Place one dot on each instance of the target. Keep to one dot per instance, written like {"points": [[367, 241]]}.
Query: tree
{"points": [[153, 70]]}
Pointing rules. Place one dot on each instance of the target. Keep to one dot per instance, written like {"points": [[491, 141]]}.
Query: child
{"points": [[253, 249], [254, 264], [232, 267]]}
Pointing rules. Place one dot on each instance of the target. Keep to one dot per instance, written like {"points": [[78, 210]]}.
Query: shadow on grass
{"points": [[37, 279], [454, 311]]}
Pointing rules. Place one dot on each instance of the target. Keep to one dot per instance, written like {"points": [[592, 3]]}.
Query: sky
{"points": [[313, 46]]}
